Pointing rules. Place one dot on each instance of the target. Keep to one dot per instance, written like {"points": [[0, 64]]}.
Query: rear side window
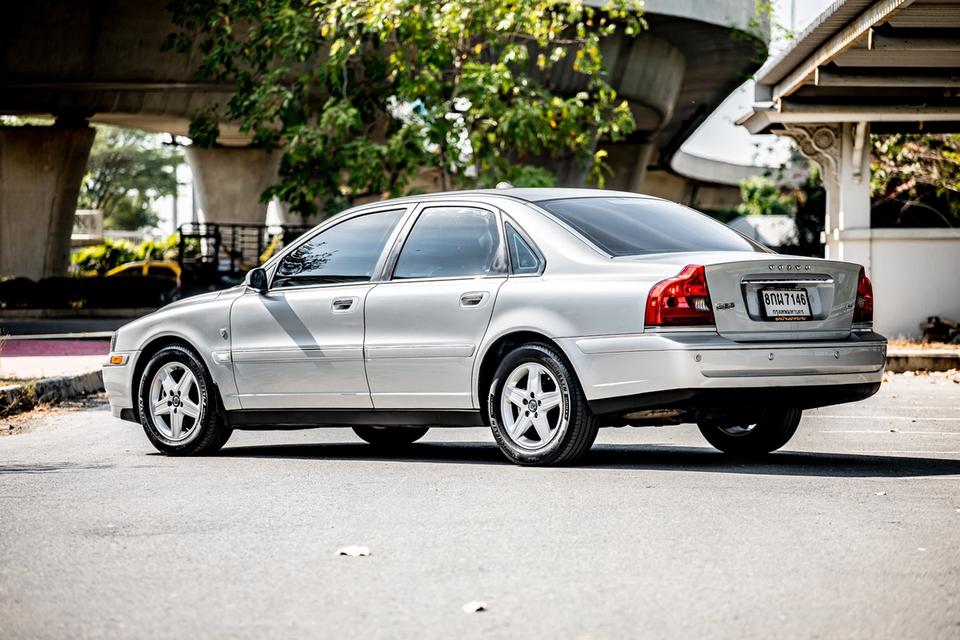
{"points": [[450, 242], [522, 256], [639, 226], [346, 252]]}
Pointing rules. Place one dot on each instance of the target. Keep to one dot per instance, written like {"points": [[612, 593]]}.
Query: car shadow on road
{"points": [[641, 457]]}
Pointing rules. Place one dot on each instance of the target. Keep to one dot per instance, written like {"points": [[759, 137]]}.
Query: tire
{"points": [[390, 436], [200, 429], [525, 433], [772, 431]]}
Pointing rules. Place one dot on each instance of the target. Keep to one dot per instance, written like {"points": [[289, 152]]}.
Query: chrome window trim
{"points": [[301, 287], [411, 220]]}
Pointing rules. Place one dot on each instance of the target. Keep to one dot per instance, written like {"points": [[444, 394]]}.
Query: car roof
{"points": [[525, 194], [540, 194]]}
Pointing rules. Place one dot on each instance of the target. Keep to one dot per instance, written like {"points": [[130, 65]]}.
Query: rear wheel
{"points": [[772, 430], [178, 406], [390, 436], [538, 413]]}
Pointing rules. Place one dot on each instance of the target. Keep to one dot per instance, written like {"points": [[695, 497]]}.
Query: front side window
{"points": [[639, 226], [522, 256], [450, 242], [346, 252]]}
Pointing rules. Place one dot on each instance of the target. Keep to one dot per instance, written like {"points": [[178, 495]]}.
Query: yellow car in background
{"points": [[154, 268]]}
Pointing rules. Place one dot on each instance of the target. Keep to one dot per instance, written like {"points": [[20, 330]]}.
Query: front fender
{"points": [[203, 325]]}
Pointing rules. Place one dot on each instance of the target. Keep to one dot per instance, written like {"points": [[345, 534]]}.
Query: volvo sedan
{"points": [[544, 314]]}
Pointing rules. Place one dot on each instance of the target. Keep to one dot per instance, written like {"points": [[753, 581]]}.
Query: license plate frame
{"points": [[784, 304]]}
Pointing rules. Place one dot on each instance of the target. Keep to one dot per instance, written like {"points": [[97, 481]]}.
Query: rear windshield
{"points": [[639, 226]]}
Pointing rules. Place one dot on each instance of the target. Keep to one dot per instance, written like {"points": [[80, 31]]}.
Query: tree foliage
{"points": [[915, 180], [363, 95], [126, 173], [762, 196]]}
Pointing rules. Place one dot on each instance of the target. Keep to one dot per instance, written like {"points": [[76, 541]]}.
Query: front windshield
{"points": [[624, 226]]}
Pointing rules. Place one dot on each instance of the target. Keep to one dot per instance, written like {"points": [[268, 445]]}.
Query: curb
{"points": [[23, 397], [922, 360]]}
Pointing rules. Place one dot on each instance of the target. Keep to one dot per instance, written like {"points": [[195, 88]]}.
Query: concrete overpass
{"points": [[87, 61]]}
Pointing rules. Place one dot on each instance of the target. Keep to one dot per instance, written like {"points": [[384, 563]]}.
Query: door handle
{"points": [[472, 299], [342, 304]]}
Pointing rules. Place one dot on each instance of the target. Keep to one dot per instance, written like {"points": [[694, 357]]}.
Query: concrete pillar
{"points": [[40, 173], [843, 153], [230, 180], [851, 238], [629, 162]]}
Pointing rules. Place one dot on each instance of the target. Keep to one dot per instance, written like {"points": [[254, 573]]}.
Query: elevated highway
{"points": [[85, 61]]}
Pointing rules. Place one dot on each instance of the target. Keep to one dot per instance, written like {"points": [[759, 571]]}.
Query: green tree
{"points": [[126, 173], [915, 180], [362, 96], [762, 196]]}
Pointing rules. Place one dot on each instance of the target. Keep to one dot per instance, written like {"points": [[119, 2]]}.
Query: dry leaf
{"points": [[353, 551]]}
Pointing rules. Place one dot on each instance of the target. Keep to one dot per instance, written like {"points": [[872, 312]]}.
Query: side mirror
{"points": [[257, 279]]}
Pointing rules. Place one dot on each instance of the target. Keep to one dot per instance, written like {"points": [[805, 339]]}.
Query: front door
{"points": [[299, 345], [426, 322]]}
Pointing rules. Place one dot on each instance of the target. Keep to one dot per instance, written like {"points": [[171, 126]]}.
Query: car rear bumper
{"points": [[670, 369]]}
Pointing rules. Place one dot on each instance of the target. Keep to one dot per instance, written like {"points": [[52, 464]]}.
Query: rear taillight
{"points": [[680, 300], [863, 311]]}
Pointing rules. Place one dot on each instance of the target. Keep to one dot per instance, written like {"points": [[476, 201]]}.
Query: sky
{"points": [[718, 138]]}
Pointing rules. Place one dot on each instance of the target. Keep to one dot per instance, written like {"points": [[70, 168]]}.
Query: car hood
{"points": [[197, 299]]}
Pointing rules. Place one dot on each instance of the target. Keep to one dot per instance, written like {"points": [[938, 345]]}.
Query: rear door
{"points": [[300, 343], [783, 298], [426, 321]]}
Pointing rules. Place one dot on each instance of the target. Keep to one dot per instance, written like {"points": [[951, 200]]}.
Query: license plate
{"points": [[785, 304]]}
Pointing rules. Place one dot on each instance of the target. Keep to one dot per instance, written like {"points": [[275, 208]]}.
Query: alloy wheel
{"points": [[176, 402], [532, 406]]}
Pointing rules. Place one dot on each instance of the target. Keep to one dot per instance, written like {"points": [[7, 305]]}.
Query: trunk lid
{"points": [[764, 298], [737, 281]]}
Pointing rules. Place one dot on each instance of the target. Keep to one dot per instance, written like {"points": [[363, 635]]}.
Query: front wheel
{"points": [[772, 430], [538, 413], [390, 436], [178, 405]]}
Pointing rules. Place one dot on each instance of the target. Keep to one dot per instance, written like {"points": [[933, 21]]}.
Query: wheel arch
{"points": [[496, 350]]}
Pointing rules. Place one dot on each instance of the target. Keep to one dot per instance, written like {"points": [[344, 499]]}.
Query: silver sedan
{"points": [[543, 313]]}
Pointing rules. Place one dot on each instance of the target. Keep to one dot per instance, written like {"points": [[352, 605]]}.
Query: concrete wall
{"points": [[915, 274]]}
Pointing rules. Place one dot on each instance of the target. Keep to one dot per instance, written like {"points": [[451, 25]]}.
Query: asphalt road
{"points": [[852, 531]]}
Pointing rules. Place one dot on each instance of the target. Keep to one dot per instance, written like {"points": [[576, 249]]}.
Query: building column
{"points": [[230, 180], [41, 169], [843, 153]]}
